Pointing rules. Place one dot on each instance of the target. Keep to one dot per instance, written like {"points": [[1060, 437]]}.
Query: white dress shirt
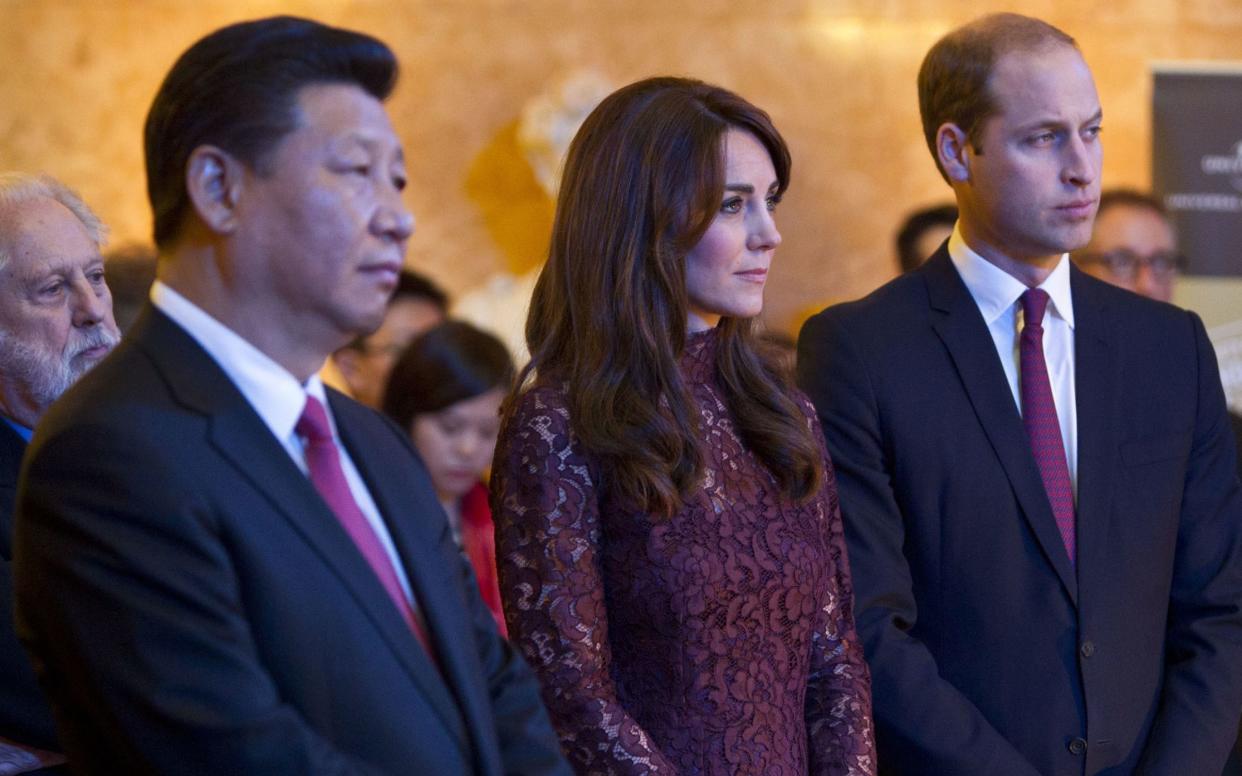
{"points": [[277, 397], [997, 293]]}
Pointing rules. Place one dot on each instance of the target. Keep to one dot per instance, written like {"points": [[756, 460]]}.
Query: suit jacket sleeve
{"points": [[919, 713], [1202, 692], [24, 714], [838, 696], [138, 607], [528, 744], [548, 544]]}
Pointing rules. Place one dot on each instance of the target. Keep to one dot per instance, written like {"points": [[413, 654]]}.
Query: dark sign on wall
{"points": [[1197, 162]]}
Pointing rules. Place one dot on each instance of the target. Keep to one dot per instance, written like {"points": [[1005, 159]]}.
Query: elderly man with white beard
{"points": [[55, 323]]}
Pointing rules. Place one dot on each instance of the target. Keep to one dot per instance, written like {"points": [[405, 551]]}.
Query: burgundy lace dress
{"points": [[720, 641]]}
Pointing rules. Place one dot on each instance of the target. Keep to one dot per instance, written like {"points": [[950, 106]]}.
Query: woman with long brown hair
{"points": [[670, 546]]}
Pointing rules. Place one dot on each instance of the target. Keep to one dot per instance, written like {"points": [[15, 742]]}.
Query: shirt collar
{"points": [[22, 431], [272, 390], [996, 292]]}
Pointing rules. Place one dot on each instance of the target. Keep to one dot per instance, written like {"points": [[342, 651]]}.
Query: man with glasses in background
{"points": [[1133, 245]]}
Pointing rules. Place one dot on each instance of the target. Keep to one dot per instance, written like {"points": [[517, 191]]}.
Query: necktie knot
{"points": [[313, 424], [1034, 304]]}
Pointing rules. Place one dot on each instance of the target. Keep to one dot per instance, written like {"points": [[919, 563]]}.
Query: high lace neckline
{"points": [[698, 360]]}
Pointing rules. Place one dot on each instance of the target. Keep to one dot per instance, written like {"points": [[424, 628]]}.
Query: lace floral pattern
{"points": [[720, 641]]}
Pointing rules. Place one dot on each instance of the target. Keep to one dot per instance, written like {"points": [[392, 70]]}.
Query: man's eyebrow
{"points": [[1059, 122], [59, 265]]}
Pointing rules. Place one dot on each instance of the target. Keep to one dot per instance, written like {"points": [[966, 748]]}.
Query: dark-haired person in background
{"points": [[922, 233], [416, 305], [446, 390], [55, 323], [670, 548], [1133, 245], [131, 271], [223, 567], [1036, 473]]}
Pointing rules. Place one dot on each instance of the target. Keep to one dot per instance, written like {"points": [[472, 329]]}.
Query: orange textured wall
{"points": [[76, 77]]}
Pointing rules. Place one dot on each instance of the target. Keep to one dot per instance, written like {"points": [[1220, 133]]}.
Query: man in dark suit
{"points": [[222, 566], [55, 323], [1035, 467], [1133, 245]]}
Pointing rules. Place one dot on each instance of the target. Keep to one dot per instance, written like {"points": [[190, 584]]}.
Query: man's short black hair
{"points": [[412, 285], [237, 89], [912, 229], [1131, 198]]}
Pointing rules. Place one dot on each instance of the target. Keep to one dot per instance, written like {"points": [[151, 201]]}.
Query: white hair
{"points": [[19, 187]]}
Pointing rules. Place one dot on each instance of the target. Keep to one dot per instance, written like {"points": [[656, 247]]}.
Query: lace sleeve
{"points": [[548, 533], [838, 702]]}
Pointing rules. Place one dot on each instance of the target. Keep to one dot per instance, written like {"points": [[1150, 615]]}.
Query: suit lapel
{"points": [[960, 326], [241, 438], [1096, 384], [415, 521], [12, 447]]}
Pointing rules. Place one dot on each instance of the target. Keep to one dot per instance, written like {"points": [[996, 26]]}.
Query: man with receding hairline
{"points": [[1035, 468]]}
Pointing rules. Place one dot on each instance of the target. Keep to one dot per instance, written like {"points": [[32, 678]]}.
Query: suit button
{"points": [[1077, 746], [1087, 649]]}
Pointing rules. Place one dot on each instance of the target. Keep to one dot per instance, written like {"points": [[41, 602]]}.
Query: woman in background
{"points": [[672, 558], [446, 390]]}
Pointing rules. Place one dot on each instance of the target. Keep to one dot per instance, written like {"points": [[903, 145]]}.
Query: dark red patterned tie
{"points": [[324, 463], [1039, 415]]}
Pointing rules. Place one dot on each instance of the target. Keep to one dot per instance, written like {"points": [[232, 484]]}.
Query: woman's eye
{"points": [[451, 427], [731, 205]]}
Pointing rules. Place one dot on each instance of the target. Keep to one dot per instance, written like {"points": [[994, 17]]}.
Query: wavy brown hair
{"points": [[643, 180]]}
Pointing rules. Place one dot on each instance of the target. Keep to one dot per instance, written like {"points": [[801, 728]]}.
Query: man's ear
{"points": [[952, 150], [213, 181]]}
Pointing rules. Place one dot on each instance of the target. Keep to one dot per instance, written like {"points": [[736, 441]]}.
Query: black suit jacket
{"points": [[990, 652], [192, 605], [24, 714]]}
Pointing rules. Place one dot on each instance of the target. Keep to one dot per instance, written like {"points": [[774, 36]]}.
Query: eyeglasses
{"points": [[1125, 263]]}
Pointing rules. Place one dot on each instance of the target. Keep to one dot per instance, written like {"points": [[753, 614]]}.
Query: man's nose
{"points": [[393, 219], [90, 304], [1081, 164]]}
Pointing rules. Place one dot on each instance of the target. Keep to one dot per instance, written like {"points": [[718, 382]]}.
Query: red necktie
{"points": [[324, 462], [1039, 415]]}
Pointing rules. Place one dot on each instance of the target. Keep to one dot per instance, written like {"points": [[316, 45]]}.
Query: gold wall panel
{"points": [[76, 77]]}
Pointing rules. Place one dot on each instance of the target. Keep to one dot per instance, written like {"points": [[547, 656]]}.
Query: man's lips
{"points": [[95, 352], [386, 271], [1081, 208]]}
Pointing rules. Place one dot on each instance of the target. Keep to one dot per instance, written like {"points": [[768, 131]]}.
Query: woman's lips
{"points": [[753, 275]]}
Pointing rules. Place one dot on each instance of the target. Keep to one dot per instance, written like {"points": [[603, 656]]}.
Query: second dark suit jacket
{"points": [[990, 652], [24, 714], [192, 605]]}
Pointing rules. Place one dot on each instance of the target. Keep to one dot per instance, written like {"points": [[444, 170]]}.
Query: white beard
{"points": [[41, 377]]}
